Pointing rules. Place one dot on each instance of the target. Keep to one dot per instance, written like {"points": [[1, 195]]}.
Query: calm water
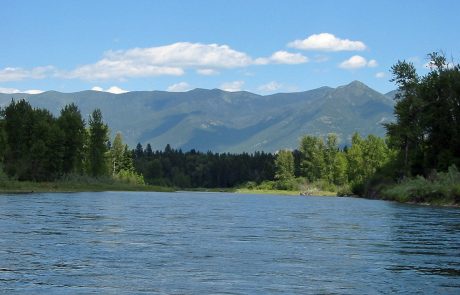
{"points": [[203, 243]]}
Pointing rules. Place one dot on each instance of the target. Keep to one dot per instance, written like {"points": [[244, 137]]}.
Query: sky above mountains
{"points": [[258, 46]]}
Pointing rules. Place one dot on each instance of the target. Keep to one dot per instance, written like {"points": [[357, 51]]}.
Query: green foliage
{"points": [[312, 163], [97, 145], [117, 154], [33, 143], [284, 164], [441, 188], [73, 127], [427, 128], [129, 176], [194, 169]]}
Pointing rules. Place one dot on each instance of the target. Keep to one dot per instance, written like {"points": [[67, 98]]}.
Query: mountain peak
{"points": [[357, 83]]}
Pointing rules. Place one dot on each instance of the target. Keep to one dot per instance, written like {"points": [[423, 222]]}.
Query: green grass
{"points": [[441, 189]]}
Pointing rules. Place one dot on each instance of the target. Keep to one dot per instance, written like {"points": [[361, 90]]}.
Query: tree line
{"points": [[195, 169], [36, 146], [328, 165]]}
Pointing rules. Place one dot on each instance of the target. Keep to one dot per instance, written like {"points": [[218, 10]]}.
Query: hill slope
{"points": [[229, 121]]}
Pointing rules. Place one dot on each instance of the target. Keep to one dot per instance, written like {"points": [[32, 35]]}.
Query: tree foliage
{"points": [[97, 145], [427, 128]]}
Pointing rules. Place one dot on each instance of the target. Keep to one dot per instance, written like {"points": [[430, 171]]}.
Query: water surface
{"points": [[208, 243]]}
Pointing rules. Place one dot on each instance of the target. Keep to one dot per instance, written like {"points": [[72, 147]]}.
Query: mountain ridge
{"points": [[222, 121]]}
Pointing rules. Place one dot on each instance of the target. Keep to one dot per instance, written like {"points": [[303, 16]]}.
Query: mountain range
{"points": [[223, 121]]}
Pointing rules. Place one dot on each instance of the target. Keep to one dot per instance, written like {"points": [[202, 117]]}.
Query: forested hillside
{"points": [[223, 121]]}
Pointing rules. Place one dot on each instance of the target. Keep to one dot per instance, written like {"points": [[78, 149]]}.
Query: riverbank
{"points": [[282, 192], [11, 187]]}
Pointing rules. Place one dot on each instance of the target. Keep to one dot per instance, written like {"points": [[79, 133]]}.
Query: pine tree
{"points": [[73, 127], [97, 145]]}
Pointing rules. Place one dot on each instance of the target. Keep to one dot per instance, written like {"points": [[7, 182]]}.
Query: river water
{"points": [[217, 243]]}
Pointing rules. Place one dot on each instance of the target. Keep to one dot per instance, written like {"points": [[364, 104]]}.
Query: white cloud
{"points": [[179, 87], [33, 91], [232, 86], [372, 63], [356, 62], [113, 89], [17, 74], [116, 90], [270, 87], [173, 60], [327, 42], [14, 90], [163, 60], [284, 57], [207, 72], [9, 90], [380, 75]]}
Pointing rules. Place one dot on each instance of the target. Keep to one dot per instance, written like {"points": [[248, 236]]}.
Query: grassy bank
{"points": [[439, 189], [11, 186]]}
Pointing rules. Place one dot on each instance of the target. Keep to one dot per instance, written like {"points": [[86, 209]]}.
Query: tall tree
{"points": [[117, 154], [73, 126], [331, 151], [406, 133], [97, 145], [312, 163], [284, 163]]}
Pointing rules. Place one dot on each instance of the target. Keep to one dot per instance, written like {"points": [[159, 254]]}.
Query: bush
{"points": [[287, 184], [443, 187], [344, 190], [130, 177]]}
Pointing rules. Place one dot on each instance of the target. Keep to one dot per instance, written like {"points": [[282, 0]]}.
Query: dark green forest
{"points": [[417, 161]]}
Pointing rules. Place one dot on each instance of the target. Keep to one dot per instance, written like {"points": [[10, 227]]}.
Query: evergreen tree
{"points": [[97, 145], [148, 151], [73, 127], [139, 152]]}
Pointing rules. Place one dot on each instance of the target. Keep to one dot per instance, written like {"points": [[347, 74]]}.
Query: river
{"points": [[219, 243]]}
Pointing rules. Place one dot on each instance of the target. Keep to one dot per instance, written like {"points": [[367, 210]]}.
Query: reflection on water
{"points": [[202, 243]]}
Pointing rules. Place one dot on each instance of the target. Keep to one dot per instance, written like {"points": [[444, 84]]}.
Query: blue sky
{"points": [[258, 46]]}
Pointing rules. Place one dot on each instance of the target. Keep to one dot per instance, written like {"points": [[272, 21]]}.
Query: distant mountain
{"points": [[223, 121]]}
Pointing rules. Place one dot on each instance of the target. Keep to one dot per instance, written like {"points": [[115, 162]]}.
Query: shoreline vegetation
{"points": [[416, 162]]}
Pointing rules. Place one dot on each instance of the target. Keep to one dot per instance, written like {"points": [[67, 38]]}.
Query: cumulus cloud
{"points": [[174, 59], [179, 87], [207, 72], [282, 57], [356, 62], [270, 87], [113, 89], [14, 90], [327, 42], [232, 86], [17, 74], [380, 75], [162, 60]]}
